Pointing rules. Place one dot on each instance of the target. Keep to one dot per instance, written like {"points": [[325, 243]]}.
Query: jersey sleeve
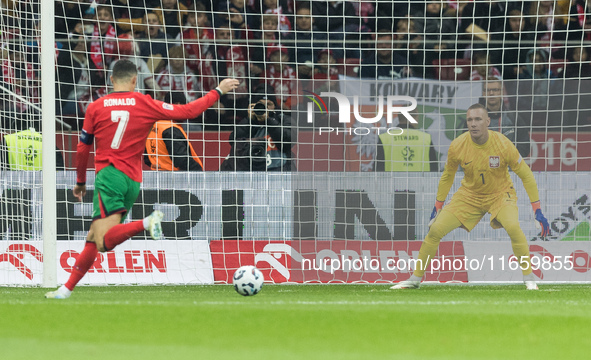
{"points": [[449, 173], [84, 146], [519, 167], [165, 111], [88, 125]]}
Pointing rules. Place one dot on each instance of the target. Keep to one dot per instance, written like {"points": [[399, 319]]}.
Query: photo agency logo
{"points": [[394, 105]]}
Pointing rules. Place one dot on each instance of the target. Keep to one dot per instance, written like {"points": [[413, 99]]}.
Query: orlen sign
{"points": [[133, 262], [145, 262], [341, 261]]}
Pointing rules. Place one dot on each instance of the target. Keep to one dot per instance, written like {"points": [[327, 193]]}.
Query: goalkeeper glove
{"points": [[435, 212], [541, 219]]}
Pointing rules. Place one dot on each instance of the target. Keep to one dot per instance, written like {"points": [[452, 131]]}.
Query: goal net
{"points": [[323, 165]]}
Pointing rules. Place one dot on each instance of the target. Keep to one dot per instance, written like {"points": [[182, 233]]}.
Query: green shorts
{"points": [[114, 192]]}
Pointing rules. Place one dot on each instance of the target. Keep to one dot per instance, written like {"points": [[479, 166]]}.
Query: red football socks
{"points": [[83, 263], [119, 233]]}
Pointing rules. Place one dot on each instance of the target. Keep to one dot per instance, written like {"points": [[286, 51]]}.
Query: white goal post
{"points": [[49, 164]]}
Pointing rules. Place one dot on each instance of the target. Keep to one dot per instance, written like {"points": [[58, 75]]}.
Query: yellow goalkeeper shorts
{"points": [[470, 208]]}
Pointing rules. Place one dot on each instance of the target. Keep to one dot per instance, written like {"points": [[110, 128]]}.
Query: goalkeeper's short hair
{"points": [[477, 106]]}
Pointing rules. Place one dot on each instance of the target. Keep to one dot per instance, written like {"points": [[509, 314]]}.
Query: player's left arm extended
{"points": [[191, 110], [529, 183]]}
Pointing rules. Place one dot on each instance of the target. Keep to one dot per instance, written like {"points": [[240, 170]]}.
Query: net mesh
{"points": [[322, 87]]}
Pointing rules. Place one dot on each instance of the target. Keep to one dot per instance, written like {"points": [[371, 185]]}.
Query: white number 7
{"points": [[122, 117]]}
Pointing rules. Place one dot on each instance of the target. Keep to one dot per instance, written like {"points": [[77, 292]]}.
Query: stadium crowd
{"points": [[184, 47]]}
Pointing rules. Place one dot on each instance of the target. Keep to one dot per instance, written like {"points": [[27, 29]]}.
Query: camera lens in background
{"points": [[259, 109]]}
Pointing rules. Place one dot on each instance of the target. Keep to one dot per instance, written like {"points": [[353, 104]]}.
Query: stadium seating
{"points": [[452, 69]]}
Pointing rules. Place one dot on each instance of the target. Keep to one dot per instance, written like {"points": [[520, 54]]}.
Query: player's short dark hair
{"points": [[124, 69], [477, 106]]}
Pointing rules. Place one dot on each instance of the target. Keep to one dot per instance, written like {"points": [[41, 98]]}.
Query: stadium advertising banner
{"points": [[560, 151], [133, 262], [354, 261], [551, 261], [273, 258], [339, 261], [441, 103], [317, 215]]}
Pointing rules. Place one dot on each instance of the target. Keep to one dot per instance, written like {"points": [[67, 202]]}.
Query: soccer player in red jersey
{"points": [[120, 123]]}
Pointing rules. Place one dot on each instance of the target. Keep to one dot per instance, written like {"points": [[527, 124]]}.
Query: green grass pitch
{"points": [[298, 322]]}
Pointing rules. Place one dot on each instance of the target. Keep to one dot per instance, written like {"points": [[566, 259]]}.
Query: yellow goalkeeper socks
{"points": [[509, 219]]}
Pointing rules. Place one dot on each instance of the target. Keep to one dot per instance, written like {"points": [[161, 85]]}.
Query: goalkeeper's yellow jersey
{"points": [[485, 167]]}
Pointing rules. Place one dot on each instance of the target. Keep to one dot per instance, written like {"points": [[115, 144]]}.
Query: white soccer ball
{"points": [[248, 280]]}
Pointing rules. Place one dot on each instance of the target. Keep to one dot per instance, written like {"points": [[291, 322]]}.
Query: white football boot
{"points": [[61, 293], [530, 282], [155, 226], [407, 284]]}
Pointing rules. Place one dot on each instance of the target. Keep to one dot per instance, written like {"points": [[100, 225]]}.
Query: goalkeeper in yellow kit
{"points": [[485, 156]]}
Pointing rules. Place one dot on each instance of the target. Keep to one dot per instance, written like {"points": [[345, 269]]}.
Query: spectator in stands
{"points": [[480, 19], [326, 65], [326, 74], [337, 19], [395, 10], [481, 67], [232, 61], [267, 131], [509, 48], [281, 8], [168, 147], [103, 44], [407, 149], [578, 65], [502, 119], [455, 7], [439, 34], [306, 40], [153, 42], [200, 54], [572, 24], [128, 49], [129, 17], [175, 78], [538, 69], [536, 84], [67, 15], [22, 150], [172, 16], [579, 11], [269, 37], [280, 76], [385, 63], [243, 15], [408, 45], [20, 76], [405, 28], [333, 16], [77, 78], [542, 20]]}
